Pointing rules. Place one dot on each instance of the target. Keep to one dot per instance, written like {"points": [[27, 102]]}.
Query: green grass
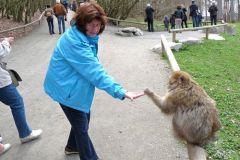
{"points": [[215, 65]]}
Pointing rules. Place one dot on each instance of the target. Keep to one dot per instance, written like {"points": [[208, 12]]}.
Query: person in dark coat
{"points": [[184, 19], [74, 6], [178, 17], [172, 21], [193, 13], [213, 13], [149, 16]]}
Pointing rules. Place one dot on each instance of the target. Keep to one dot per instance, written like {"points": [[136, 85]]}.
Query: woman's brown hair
{"points": [[86, 13]]}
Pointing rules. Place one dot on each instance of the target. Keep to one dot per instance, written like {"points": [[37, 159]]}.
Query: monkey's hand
{"points": [[157, 100], [148, 92]]}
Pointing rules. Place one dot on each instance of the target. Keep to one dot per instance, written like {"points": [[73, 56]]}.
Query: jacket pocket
{"points": [[79, 91]]}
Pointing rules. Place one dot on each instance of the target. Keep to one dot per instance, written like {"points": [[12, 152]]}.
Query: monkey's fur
{"points": [[195, 117]]}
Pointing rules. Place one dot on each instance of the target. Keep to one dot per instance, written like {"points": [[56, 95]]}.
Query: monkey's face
{"points": [[179, 79]]}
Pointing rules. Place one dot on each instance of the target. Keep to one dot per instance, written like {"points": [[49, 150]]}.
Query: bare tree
{"points": [[220, 9], [119, 9], [232, 11], [21, 10], [238, 10]]}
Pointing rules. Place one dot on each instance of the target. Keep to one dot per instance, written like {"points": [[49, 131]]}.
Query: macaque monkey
{"points": [[195, 116]]}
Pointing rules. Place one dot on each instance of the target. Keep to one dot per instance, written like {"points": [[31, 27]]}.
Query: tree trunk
{"points": [[206, 10], [119, 9], [232, 13], [220, 10], [238, 10]]}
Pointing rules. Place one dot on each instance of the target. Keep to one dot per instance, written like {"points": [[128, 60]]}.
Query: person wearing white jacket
{"points": [[11, 97]]}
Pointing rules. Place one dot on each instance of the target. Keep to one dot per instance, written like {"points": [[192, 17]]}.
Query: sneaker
{"points": [[69, 151], [34, 135], [6, 147]]}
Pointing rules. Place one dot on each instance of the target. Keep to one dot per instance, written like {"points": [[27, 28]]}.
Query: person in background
{"points": [[60, 12], [149, 16], [178, 17], [4, 147], [11, 97], [184, 19], [74, 6], [213, 13], [49, 14], [166, 23], [74, 72], [199, 18], [172, 21], [65, 3], [193, 13]]}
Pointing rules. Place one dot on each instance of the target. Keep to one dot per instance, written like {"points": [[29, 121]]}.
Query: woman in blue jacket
{"points": [[74, 72]]}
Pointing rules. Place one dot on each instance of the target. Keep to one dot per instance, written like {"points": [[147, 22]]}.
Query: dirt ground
{"points": [[120, 130]]}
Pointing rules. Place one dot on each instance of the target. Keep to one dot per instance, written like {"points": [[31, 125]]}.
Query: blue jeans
{"points": [[10, 96], [61, 24], [78, 138], [50, 25], [195, 21]]}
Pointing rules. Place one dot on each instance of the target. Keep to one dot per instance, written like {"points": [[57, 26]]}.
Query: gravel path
{"points": [[120, 130]]}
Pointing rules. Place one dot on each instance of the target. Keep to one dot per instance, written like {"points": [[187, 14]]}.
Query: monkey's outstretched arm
{"points": [[155, 98], [162, 103]]}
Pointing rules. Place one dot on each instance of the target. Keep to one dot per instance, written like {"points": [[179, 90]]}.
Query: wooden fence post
{"points": [[169, 53], [162, 45], [174, 36], [207, 30]]}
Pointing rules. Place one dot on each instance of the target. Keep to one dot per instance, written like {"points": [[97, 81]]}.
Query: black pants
{"points": [[78, 137], [213, 19], [185, 22], [150, 25], [50, 25]]}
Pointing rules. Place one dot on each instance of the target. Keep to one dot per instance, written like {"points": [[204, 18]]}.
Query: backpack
{"points": [[193, 10], [179, 13]]}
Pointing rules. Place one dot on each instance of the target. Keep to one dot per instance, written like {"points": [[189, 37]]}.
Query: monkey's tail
{"points": [[196, 152]]}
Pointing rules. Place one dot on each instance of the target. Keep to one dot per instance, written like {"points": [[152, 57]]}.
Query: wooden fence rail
{"points": [[206, 28], [166, 49], [24, 27], [132, 22]]}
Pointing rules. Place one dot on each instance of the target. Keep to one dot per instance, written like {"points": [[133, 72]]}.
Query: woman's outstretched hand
{"points": [[9, 39], [133, 95]]}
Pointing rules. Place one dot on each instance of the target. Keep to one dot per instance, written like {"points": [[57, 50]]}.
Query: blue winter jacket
{"points": [[74, 71]]}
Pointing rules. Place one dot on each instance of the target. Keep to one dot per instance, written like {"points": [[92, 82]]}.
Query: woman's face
{"points": [[93, 28]]}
